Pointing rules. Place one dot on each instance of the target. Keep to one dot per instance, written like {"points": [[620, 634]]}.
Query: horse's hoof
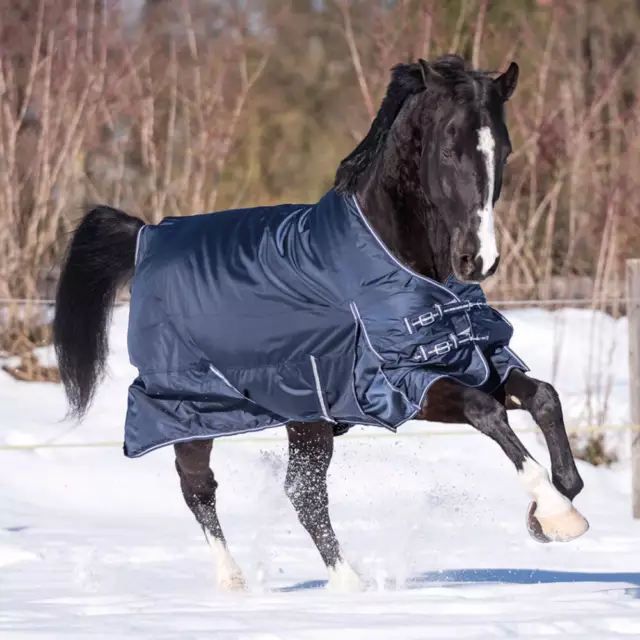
{"points": [[344, 579], [562, 527], [233, 583]]}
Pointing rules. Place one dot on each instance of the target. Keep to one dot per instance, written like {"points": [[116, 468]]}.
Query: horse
{"points": [[378, 285]]}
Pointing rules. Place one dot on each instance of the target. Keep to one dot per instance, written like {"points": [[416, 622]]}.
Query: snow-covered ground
{"points": [[93, 545]]}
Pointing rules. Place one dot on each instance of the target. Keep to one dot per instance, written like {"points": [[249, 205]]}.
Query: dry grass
{"points": [[90, 112], [157, 119], [593, 450]]}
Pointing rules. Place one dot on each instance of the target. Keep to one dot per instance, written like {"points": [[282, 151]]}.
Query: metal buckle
{"points": [[440, 349], [428, 318], [425, 319]]}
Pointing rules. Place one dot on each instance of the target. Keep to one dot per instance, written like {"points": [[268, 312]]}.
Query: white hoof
{"points": [[229, 576], [233, 583], [561, 527], [343, 579]]}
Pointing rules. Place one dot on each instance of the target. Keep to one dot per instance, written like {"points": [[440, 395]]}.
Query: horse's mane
{"points": [[408, 80]]}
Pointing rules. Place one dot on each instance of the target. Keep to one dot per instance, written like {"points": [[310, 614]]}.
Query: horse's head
{"points": [[464, 151], [434, 156]]}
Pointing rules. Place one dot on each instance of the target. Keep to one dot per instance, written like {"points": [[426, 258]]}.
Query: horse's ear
{"points": [[429, 74], [505, 84]]}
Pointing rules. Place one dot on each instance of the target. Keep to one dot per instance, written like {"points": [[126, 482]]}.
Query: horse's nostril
{"points": [[467, 264]]}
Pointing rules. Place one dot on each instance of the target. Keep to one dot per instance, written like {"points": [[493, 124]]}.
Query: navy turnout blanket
{"points": [[248, 319]]}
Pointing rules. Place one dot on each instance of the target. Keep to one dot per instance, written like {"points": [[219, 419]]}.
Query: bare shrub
{"points": [[93, 109], [153, 115]]}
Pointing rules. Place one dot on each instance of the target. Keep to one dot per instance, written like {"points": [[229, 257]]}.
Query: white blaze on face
{"points": [[486, 232]]}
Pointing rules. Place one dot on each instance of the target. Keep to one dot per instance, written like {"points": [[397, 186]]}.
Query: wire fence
{"points": [[244, 439], [594, 302], [543, 302], [38, 301]]}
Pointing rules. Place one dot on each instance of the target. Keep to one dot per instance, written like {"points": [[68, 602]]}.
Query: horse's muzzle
{"points": [[472, 269]]}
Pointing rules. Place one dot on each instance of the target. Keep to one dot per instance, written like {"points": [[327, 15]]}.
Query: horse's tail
{"points": [[100, 259]]}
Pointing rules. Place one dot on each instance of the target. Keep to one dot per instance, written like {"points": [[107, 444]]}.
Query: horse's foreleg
{"points": [[541, 400], [199, 490], [552, 516], [310, 452]]}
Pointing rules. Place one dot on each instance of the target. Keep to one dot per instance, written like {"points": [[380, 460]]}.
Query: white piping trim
{"points": [[222, 377], [376, 423], [135, 259], [409, 327], [517, 357], [519, 361], [400, 391], [358, 319], [207, 437], [320, 394], [422, 399], [507, 348], [356, 314], [502, 316]]}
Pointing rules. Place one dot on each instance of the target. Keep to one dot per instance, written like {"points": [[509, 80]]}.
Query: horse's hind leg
{"points": [[310, 452], [199, 490]]}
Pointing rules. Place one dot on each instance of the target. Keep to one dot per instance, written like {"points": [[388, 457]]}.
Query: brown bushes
{"points": [[185, 107], [90, 111], [151, 113]]}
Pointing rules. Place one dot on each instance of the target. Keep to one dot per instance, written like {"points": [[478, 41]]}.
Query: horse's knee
{"points": [[545, 401]]}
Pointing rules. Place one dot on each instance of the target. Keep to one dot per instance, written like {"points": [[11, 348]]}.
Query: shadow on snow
{"points": [[458, 577]]}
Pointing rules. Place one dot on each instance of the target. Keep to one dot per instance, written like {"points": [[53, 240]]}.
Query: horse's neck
{"points": [[409, 230]]}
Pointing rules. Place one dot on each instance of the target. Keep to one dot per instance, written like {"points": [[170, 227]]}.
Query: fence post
{"points": [[633, 316]]}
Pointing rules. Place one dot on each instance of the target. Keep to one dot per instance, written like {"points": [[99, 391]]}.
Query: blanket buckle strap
{"points": [[442, 348], [429, 317], [437, 312]]}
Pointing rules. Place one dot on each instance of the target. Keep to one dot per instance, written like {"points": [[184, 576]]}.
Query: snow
{"points": [[93, 545]]}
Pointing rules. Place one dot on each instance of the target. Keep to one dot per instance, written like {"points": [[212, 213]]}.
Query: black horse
{"points": [[425, 180]]}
